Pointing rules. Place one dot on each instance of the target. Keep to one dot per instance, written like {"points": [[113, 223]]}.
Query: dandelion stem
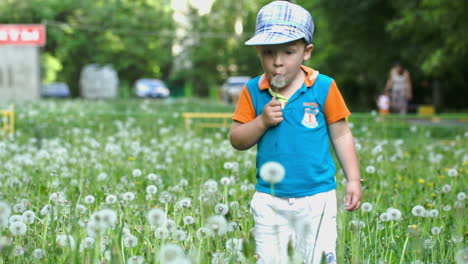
{"points": [[404, 249]]}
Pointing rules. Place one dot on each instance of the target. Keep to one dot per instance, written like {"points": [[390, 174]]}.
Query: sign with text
{"points": [[32, 35]]}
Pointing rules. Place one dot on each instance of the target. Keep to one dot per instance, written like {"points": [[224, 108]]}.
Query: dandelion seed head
{"points": [[435, 230], [18, 228], [156, 217], [16, 218], [217, 224], [452, 172], [19, 208], [461, 257], [89, 199], [5, 209], [204, 232], [165, 197], [370, 169], [272, 172], [384, 217], [394, 214], [221, 209], [446, 188], [136, 173], [18, 251], [433, 213], [185, 202], [234, 244], [29, 217], [151, 189], [38, 253], [418, 210], [366, 207], [111, 199], [130, 241], [428, 243], [65, 241], [179, 235], [170, 252], [225, 181], [161, 232], [128, 196], [461, 196], [188, 220]]}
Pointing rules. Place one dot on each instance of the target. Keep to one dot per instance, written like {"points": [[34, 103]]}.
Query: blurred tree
{"points": [[132, 35]]}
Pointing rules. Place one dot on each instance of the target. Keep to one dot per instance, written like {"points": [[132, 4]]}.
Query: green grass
{"points": [[68, 146]]}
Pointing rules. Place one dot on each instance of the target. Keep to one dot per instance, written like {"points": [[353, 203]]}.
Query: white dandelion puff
{"points": [[457, 238], [161, 232], [462, 256], [102, 176], [433, 213], [272, 172], [18, 228], [447, 208], [136, 260], [446, 188], [418, 210], [151, 189], [221, 209], [38, 253], [461, 196], [370, 169], [234, 244], [384, 217], [89, 199], [428, 243], [19, 208], [15, 218], [29, 217], [18, 251], [5, 210], [128, 196], [204, 232], [435, 230], [394, 214], [452, 172], [188, 220], [185, 203], [225, 181], [65, 241], [87, 243], [179, 235], [217, 224], [156, 217], [170, 252], [130, 241], [111, 199], [366, 207], [228, 165], [136, 173], [165, 197]]}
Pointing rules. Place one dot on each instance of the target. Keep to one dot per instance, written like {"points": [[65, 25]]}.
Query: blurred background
{"points": [[195, 46]]}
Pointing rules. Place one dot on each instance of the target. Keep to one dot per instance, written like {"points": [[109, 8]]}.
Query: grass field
{"points": [[124, 182]]}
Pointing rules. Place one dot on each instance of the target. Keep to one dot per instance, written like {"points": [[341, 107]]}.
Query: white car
{"points": [[232, 87], [153, 88]]}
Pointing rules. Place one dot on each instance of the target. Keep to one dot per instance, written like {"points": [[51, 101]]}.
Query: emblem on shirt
{"points": [[309, 120]]}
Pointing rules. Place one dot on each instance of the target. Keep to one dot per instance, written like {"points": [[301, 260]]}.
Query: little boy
{"points": [[291, 113]]}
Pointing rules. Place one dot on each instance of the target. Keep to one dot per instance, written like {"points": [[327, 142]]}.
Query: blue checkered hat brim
{"points": [[281, 22]]}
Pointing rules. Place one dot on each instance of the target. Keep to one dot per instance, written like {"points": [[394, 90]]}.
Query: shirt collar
{"points": [[311, 76]]}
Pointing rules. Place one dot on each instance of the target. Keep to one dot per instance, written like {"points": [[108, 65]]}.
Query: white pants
{"points": [[282, 224]]}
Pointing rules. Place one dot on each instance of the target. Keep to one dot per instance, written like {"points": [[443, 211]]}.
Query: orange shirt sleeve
{"points": [[335, 106], [245, 111]]}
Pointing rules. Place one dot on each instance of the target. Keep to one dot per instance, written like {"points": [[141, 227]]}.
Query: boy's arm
{"points": [[245, 135], [343, 142]]}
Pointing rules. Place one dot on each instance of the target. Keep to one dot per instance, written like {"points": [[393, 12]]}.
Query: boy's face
{"points": [[282, 62]]}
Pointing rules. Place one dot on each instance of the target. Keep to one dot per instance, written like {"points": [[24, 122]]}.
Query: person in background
{"points": [[399, 86], [383, 102]]}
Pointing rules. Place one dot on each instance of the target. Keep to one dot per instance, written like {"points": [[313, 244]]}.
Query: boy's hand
{"points": [[353, 195], [272, 114]]}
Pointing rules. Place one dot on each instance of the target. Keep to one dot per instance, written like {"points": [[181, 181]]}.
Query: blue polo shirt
{"points": [[300, 142]]}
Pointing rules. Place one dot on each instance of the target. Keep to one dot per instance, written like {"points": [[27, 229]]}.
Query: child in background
{"points": [[383, 103], [292, 113]]}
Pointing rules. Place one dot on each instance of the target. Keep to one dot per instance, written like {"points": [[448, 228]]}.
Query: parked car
{"points": [[55, 89], [232, 87], [152, 88]]}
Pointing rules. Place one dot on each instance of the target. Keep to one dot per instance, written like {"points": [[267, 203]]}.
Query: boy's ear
{"points": [[308, 51]]}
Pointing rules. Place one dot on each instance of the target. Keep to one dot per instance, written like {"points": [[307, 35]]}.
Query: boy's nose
{"points": [[278, 60]]}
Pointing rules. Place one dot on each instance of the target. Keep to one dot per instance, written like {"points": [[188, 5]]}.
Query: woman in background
{"points": [[399, 86]]}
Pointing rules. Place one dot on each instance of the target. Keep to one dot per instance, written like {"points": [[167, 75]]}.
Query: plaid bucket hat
{"points": [[280, 22]]}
